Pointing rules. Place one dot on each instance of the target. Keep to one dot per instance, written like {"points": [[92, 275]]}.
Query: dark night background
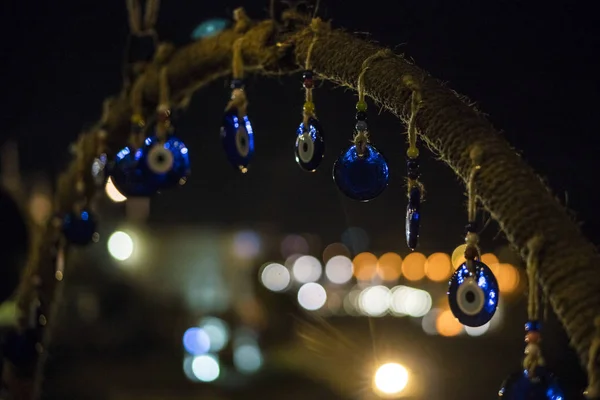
{"points": [[532, 66]]}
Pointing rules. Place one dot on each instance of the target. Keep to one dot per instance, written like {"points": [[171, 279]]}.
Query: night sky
{"points": [[531, 66]]}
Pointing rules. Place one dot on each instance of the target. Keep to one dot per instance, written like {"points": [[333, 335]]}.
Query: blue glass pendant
{"points": [[541, 386], [413, 217], [310, 146], [361, 177], [168, 162], [79, 228], [209, 28], [473, 296], [130, 174], [237, 137]]}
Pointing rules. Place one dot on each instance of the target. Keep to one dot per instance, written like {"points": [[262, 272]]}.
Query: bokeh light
{"points": [[458, 256], [374, 301], [507, 275], [429, 321], [112, 192], [389, 266], [405, 300], [217, 331], [247, 358], [335, 249], [40, 207], [275, 277], [293, 244], [413, 266], [206, 368], [120, 245], [489, 259], [477, 330], [209, 28], [365, 266], [390, 379], [196, 341], [438, 267], [307, 269], [339, 269], [312, 296], [447, 325], [246, 244]]}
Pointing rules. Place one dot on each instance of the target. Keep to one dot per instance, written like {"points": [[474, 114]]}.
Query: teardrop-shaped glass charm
{"points": [[413, 217], [237, 137], [310, 146], [130, 174], [361, 177], [168, 162], [541, 386], [473, 295], [79, 228]]}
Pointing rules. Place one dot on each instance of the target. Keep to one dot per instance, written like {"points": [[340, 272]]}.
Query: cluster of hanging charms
{"points": [[473, 292], [237, 135], [154, 163], [361, 172], [78, 226], [415, 188], [533, 381], [310, 146]]}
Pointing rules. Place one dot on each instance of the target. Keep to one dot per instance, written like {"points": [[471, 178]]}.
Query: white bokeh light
{"points": [[120, 246], [206, 368], [247, 358], [374, 301], [217, 331], [477, 330], [112, 192], [307, 269], [275, 277], [390, 379], [312, 296], [410, 301], [339, 269]]}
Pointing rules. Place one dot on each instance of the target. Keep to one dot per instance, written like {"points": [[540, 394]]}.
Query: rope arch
{"points": [[506, 186]]}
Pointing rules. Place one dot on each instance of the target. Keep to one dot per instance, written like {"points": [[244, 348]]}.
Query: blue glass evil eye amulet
{"points": [[473, 295], [310, 146], [168, 162], [413, 217], [541, 386], [79, 228], [361, 177], [237, 138]]}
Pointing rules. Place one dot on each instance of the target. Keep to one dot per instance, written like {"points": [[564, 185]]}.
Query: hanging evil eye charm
{"points": [[361, 177], [237, 137], [168, 162], [473, 296], [99, 169], [540, 386], [130, 174], [310, 146], [79, 228]]}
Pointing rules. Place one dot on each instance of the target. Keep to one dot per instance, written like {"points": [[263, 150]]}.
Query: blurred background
{"points": [[272, 284]]}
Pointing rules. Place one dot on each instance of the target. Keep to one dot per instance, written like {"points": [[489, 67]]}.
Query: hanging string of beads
{"points": [[310, 145], [415, 187], [534, 381], [361, 172], [142, 41], [237, 134], [473, 292]]}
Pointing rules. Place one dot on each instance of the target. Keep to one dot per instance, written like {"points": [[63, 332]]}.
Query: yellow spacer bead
{"points": [[412, 152], [137, 119], [309, 107], [361, 106]]}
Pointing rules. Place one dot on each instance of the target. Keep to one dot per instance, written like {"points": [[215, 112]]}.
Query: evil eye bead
{"points": [[168, 162], [130, 174], [79, 228], [361, 177], [237, 138], [473, 296], [542, 385], [310, 146], [413, 217]]}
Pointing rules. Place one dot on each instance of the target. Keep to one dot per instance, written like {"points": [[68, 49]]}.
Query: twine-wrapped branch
{"points": [[506, 186]]}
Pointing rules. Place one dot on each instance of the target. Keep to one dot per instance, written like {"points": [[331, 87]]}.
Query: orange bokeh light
{"points": [[389, 266], [489, 259], [335, 249], [413, 266], [365, 266], [507, 275], [458, 256], [438, 267], [447, 325]]}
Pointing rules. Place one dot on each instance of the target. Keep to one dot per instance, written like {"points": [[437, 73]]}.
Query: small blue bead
{"points": [[79, 228], [361, 126], [308, 74], [519, 386], [236, 84], [534, 326], [471, 227], [361, 116]]}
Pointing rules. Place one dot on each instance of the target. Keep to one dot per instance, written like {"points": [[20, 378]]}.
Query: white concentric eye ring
{"points": [[470, 297], [160, 160], [306, 148], [242, 142]]}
